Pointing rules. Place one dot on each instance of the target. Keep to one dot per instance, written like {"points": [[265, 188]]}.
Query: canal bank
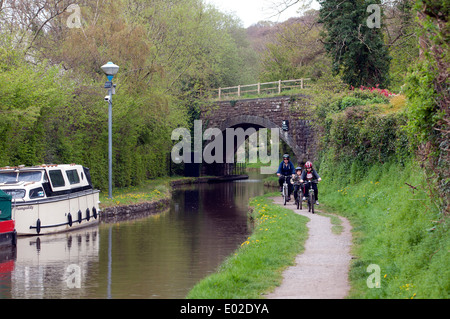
{"points": [[257, 266]]}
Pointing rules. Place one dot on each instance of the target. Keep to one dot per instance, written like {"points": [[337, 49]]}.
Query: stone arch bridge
{"points": [[259, 113]]}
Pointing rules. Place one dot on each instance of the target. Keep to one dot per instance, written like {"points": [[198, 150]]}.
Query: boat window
{"points": [[30, 176], [8, 177], [37, 193], [15, 193], [57, 178], [73, 177]]}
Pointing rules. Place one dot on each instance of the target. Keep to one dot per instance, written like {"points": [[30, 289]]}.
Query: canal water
{"points": [[158, 256]]}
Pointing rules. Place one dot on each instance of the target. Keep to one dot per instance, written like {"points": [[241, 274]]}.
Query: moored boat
{"points": [[50, 198], [7, 231]]}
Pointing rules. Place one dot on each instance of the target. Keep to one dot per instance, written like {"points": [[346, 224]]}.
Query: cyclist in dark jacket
{"points": [[286, 168], [308, 175]]}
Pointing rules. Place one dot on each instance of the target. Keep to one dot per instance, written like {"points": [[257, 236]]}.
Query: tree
{"points": [[28, 20], [51, 103], [296, 51], [358, 51], [401, 39], [427, 90]]}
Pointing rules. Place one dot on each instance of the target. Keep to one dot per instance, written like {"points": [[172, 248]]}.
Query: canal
{"points": [[158, 256]]}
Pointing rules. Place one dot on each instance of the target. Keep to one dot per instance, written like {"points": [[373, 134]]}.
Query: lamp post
{"points": [[110, 70]]}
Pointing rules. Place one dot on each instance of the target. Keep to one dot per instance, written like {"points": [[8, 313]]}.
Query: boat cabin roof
{"points": [[61, 177]]}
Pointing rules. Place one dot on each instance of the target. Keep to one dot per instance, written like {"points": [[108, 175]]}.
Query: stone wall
{"points": [[131, 212], [268, 113]]}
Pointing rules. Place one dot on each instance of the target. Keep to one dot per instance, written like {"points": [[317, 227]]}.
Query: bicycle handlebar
{"points": [[315, 181]]}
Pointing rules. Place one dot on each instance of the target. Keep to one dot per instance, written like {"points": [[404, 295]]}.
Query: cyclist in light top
{"points": [[308, 175]]}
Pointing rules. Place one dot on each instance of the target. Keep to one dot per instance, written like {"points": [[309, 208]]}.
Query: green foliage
{"points": [[399, 30], [25, 94], [357, 98], [44, 122], [296, 52], [355, 126], [358, 52], [423, 111], [396, 227], [168, 53], [369, 176], [427, 90]]}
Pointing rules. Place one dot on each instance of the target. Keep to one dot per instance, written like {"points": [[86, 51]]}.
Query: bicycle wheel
{"points": [[297, 201], [311, 201], [300, 199], [285, 192]]}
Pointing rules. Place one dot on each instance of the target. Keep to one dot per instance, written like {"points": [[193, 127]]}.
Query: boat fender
{"points": [[80, 217], [38, 226], [14, 238], [69, 217], [88, 214], [94, 212]]}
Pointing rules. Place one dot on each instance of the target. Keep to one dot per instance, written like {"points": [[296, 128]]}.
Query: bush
{"points": [[362, 133]]}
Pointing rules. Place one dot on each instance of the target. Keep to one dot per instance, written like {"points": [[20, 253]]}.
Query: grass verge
{"points": [[149, 191], [395, 226], [257, 265]]}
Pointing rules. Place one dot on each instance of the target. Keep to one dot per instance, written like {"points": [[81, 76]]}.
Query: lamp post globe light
{"points": [[110, 70]]}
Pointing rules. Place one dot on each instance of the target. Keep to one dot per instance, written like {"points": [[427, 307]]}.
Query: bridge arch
{"points": [[267, 113], [258, 122]]}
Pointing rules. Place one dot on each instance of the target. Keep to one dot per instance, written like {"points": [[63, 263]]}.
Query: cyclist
{"points": [[296, 181], [286, 168], [308, 175]]}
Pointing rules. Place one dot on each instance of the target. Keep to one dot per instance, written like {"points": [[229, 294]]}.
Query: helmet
{"points": [[286, 156], [308, 165], [298, 168]]}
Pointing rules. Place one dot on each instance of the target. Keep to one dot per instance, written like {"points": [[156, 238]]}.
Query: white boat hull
{"points": [[57, 214]]}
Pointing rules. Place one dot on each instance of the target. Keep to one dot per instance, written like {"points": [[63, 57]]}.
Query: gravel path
{"points": [[321, 271]]}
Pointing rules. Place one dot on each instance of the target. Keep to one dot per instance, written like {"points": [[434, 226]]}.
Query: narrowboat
{"points": [[49, 199], [7, 229]]}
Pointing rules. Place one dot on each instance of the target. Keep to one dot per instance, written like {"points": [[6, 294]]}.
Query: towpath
{"points": [[321, 271]]}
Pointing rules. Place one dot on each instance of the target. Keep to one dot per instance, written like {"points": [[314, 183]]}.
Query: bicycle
{"points": [[299, 197], [285, 190], [311, 196]]}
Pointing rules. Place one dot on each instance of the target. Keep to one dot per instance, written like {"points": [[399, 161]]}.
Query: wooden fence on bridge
{"points": [[259, 88]]}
